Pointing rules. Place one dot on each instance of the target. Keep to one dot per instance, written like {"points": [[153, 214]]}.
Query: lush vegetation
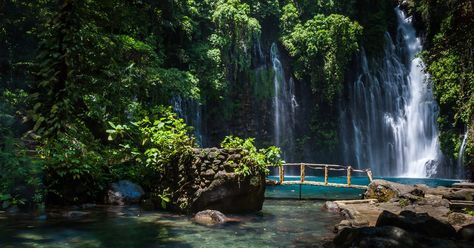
{"points": [[255, 159], [85, 85]]}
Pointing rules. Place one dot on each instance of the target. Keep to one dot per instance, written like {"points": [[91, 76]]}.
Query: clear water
{"points": [[281, 223], [334, 193]]}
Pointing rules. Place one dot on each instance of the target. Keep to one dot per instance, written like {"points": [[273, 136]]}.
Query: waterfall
{"points": [[460, 164], [389, 123], [284, 106], [190, 110]]}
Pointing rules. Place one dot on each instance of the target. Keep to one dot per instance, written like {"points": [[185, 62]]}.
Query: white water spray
{"points": [[390, 121], [284, 105], [190, 110], [462, 149]]}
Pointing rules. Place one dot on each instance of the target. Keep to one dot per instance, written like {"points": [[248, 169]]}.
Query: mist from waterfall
{"points": [[389, 123], [284, 106]]}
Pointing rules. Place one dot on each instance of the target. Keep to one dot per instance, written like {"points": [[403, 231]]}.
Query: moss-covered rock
{"points": [[209, 179]]}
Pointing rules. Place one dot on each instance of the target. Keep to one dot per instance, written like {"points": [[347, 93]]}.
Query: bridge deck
{"points": [[340, 185], [326, 168]]}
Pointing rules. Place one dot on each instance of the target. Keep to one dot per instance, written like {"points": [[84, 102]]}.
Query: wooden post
{"points": [[369, 174], [281, 172], [348, 175], [302, 172], [326, 175]]}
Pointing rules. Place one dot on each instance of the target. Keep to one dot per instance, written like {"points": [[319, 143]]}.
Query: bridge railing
{"points": [[326, 167]]}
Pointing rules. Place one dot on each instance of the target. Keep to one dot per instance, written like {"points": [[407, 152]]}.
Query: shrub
{"points": [[20, 174], [74, 169], [254, 160], [151, 146]]}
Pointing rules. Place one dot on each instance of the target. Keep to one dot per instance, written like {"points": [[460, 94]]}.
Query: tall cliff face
{"points": [[384, 118]]}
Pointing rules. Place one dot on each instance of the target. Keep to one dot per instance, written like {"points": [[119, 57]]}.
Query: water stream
{"points": [[284, 106], [389, 123], [190, 110], [460, 162]]}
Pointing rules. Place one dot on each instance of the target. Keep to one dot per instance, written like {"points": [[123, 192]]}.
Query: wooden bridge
{"points": [[326, 167]]}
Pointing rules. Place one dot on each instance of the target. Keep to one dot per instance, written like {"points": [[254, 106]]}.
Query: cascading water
{"points": [[284, 106], [460, 165], [389, 122], [190, 111]]}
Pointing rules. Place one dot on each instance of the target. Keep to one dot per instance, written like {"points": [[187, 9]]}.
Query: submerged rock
{"points": [[331, 207], [209, 217], [124, 192]]}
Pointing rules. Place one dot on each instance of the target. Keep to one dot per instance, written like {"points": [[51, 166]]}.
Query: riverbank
{"points": [[417, 210], [393, 197]]}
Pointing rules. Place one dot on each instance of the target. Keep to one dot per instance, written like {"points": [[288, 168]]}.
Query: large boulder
{"points": [[231, 193], [212, 178], [350, 223], [124, 192], [420, 223], [405, 230], [463, 195], [384, 191]]}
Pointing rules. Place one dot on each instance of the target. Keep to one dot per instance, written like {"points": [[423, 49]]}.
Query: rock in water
{"points": [[417, 223], [231, 193], [384, 191], [124, 192], [209, 217], [331, 207]]}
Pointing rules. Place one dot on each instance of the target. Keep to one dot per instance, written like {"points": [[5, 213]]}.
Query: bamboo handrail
{"points": [[326, 168]]}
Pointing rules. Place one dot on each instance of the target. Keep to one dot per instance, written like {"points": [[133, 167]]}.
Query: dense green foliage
{"points": [[255, 159], [84, 83], [20, 175], [91, 71], [333, 37], [155, 143]]}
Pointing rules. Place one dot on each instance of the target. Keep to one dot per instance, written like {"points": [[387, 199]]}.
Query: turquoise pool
{"points": [[333, 193]]}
